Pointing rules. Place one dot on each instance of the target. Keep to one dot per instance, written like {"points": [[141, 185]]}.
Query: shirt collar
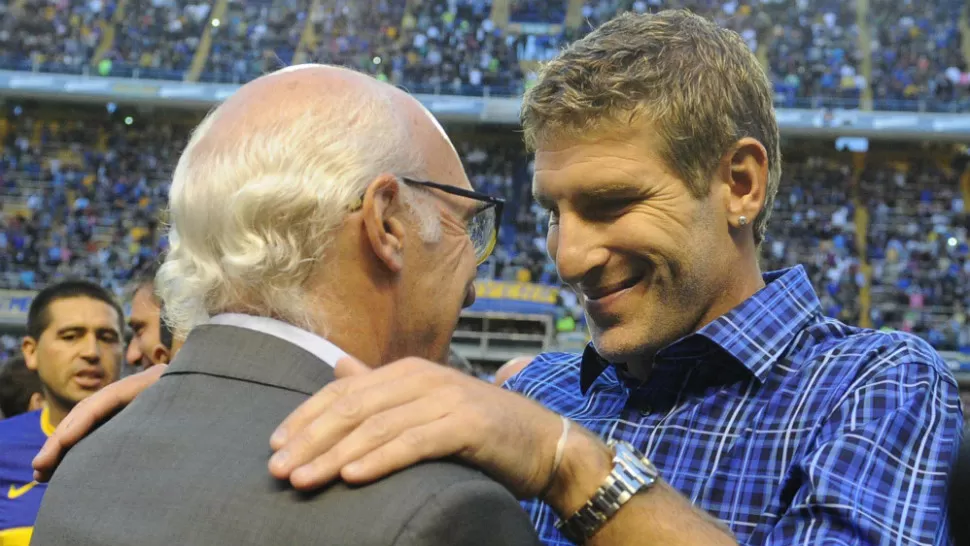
{"points": [[756, 333], [319, 347]]}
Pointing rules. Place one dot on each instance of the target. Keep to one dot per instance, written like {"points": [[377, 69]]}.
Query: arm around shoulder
{"points": [[470, 513]]}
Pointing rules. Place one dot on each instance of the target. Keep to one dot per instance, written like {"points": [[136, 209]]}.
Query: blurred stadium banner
{"points": [[807, 122], [14, 305], [514, 297]]}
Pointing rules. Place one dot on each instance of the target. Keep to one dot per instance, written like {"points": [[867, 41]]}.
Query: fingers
{"points": [[337, 413], [85, 417], [358, 380], [408, 448], [404, 423]]}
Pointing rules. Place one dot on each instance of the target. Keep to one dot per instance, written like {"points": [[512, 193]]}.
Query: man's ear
{"points": [[747, 180], [381, 211], [161, 355], [29, 348]]}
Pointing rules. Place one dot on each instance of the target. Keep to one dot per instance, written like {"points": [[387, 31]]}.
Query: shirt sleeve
{"points": [[877, 474]]}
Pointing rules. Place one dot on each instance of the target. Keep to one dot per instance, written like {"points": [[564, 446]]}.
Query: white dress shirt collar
{"points": [[319, 347]]}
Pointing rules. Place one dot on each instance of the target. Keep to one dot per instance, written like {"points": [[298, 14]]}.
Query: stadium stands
{"points": [[884, 239], [255, 38], [158, 38], [901, 55]]}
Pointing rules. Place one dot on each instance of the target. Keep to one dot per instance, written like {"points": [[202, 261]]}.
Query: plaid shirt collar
{"points": [[755, 334]]}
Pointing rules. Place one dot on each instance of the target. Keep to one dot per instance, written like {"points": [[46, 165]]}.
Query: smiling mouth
{"points": [[599, 293]]}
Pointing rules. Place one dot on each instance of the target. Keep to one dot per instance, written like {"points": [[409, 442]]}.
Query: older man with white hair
{"points": [[316, 213]]}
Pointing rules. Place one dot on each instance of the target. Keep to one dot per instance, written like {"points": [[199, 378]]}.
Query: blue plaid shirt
{"points": [[789, 426]]}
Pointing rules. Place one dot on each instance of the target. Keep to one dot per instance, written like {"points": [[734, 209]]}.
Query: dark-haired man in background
{"points": [[20, 388], [151, 341], [73, 343]]}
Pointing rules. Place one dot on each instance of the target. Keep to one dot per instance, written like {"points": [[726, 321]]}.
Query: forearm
{"points": [[658, 516]]}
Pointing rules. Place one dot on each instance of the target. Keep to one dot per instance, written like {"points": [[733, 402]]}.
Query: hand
{"points": [[87, 415], [370, 423]]}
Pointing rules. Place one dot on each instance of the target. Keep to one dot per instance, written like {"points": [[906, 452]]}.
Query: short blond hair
{"points": [[698, 83]]}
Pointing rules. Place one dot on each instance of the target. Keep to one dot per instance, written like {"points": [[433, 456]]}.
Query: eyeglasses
{"points": [[482, 227]]}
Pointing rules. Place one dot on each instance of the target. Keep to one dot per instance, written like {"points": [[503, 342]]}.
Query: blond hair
{"points": [[699, 84], [251, 221]]}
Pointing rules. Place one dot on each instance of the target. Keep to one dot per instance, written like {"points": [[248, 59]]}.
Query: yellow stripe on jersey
{"points": [[45, 423], [16, 537]]}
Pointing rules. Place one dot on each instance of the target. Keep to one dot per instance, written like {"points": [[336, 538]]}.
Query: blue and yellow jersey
{"points": [[21, 437]]}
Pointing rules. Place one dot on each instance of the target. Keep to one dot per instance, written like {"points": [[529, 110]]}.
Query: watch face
{"points": [[627, 451]]}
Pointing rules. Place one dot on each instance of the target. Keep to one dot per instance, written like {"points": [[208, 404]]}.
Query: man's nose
{"points": [[133, 355], [90, 349], [576, 250]]}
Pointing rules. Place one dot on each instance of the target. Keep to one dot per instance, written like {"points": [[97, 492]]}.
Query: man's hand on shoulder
{"points": [[370, 423]]}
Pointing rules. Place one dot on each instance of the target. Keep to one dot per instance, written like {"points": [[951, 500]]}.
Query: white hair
{"points": [[250, 221]]}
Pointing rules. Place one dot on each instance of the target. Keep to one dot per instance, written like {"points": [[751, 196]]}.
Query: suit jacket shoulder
{"points": [[470, 512], [185, 464]]}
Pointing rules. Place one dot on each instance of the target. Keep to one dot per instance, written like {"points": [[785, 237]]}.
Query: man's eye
{"points": [[608, 209]]}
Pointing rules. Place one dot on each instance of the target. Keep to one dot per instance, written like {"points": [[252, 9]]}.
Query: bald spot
{"points": [[511, 368], [309, 89]]}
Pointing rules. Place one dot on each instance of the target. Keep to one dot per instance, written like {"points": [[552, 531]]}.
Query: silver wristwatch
{"points": [[632, 473]]}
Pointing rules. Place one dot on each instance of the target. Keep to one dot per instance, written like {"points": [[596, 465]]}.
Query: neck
{"points": [[359, 325], [359, 337], [56, 411], [745, 284]]}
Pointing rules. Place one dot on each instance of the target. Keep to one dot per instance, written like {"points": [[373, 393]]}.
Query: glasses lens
{"points": [[482, 232]]}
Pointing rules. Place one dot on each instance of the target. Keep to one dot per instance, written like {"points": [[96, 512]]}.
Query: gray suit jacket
{"points": [[185, 464]]}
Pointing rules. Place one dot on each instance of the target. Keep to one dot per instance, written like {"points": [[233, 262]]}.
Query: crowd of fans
{"points": [[916, 53], [61, 35], [156, 37], [91, 192], [813, 49], [917, 245], [84, 198], [254, 38], [813, 224]]}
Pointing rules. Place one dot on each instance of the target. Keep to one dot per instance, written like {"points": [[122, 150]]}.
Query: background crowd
{"points": [[903, 54], [85, 197]]}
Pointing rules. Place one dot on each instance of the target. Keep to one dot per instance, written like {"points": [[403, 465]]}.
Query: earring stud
{"points": [[742, 220]]}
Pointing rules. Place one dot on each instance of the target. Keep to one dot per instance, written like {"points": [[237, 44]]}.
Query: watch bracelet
{"points": [[618, 488]]}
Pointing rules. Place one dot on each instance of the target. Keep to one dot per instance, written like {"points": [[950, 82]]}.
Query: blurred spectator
{"points": [[158, 38], [256, 37], [52, 35], [918, 248], [916, 51], [512, 367], [538, 11], [88, 211], [20, 388], [813, 224], [84, 198], [811, 48]]}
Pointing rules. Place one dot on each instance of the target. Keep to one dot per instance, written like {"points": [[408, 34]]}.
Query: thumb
{"points": [[349, 366]]}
